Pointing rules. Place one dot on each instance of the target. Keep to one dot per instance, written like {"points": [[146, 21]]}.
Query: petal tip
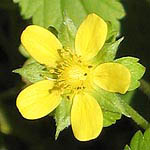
{"points": [[41, 44], [36, 101], [85, 125], [112, 77], [90, 36]]}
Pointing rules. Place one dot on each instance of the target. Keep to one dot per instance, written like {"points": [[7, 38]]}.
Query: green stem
{"points": [[135, 116], [145, 87]]}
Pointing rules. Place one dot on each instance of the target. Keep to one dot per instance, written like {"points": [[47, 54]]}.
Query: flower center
{"points": [[73, 74]]}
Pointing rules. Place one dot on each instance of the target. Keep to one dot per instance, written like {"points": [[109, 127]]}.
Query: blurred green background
{"points": [[17, 133]]}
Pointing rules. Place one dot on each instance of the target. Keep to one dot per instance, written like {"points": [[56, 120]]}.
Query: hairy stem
{"points": [[135, 116], [145, 87]]}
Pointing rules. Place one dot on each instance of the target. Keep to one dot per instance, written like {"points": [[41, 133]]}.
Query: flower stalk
{"points": [[145, 88], [135, 116]]}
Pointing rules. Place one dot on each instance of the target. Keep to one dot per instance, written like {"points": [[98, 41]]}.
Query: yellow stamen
{"points": [[72, 73]]}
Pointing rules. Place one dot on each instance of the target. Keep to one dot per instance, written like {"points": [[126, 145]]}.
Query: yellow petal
{"points": [[37, 100], [91, 36], [41, 44], [112, 77], [86, 117]]}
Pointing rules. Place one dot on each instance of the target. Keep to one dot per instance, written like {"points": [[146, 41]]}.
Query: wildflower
{"points": [[75, 76]]}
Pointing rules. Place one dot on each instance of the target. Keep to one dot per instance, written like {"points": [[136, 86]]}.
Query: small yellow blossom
{"points": [[76, 76]]}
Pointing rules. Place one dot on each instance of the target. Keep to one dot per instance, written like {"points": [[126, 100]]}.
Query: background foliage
{"points": [[17, 133]]}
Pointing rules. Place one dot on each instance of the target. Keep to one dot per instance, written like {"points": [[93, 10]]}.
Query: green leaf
{"points": [[29, 61], [127, 147], [146, 144], [50, 12], [112, 33], [62, 116], [67, 33], [140, 141], [136, 69], [128, 96], [107, 53], [23, 51], [110, 118], [111, 105], [135, 142], [33, 72]]}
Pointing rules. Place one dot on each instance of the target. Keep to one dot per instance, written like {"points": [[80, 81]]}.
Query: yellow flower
{"points": [[76, 76]]}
